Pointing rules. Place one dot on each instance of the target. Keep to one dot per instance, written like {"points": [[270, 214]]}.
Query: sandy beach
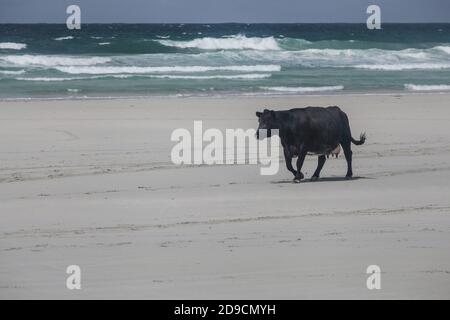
{"points": [[91, 183]]}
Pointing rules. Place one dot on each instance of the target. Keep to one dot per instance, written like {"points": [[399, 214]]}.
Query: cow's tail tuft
{"points": [[362, 139]]}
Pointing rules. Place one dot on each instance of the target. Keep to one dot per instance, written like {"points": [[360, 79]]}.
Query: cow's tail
{"points": [[362, 139]]}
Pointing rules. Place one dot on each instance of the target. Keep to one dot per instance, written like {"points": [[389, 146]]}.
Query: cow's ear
{"points": [[266, 110], [258, 114]]}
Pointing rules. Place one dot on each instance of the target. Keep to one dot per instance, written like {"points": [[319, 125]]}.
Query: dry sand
{"points": [[91, 183]]}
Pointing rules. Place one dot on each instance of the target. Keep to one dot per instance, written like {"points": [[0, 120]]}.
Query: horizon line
{"points": [[209, 23]]}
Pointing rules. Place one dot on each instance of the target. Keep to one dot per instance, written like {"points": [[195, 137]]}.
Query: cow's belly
{"points": [[324, 150]]}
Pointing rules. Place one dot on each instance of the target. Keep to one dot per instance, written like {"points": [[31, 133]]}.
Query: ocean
{"points": [[128, 60]]}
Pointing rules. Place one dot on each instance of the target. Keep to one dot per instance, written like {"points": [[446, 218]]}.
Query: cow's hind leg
{"points": [[301, 158], [288, 159], [320, 164], [348, 156]]}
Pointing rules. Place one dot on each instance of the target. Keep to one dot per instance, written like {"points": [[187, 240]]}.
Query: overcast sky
{"points": [[210, 11]]}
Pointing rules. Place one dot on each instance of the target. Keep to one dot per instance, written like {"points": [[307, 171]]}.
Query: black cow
{"points": [[311, 130]]}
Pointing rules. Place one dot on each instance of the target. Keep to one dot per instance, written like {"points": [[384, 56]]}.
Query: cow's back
{"points": [[319, 128], [318, 118]]}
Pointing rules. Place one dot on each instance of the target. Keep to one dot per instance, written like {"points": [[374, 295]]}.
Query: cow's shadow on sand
{"points": [[324, 179]]}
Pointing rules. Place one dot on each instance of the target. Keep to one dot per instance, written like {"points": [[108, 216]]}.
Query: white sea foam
{"points": [[48, 79], [239, 42], [179, 69], [304, 89], [404, 66], [63, 38], [50, 61], [443, 48], [10, 72], [417, 87], [104, 43], [368, 54], [374, 59], [12, 45], [250, 76]]}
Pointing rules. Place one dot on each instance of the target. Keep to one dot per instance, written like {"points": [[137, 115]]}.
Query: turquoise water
{"points": [[49, 61]]}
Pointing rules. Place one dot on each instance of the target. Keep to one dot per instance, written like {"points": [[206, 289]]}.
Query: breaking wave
{"points": [[11, 72], [417, 87], [251, 76], [50, 61], [303, 89], [63, 38], [12, 45], [180, 69], [405, 66], [238, 42], [47, 79], [443, 48]]}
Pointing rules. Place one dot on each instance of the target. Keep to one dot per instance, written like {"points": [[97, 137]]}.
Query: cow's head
{"points": [[267, 121]]}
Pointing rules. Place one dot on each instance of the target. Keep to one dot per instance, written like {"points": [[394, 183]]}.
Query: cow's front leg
{"points": [[288, 159], [301, 158], [320, 164]]}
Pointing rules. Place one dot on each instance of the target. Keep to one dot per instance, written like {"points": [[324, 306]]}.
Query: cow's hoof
{"points": [[296, 180], [314, 178], [348, 177], [299, 176]]}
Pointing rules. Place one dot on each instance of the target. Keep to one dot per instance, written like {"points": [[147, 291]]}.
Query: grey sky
{"points": [[210, 11]]}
